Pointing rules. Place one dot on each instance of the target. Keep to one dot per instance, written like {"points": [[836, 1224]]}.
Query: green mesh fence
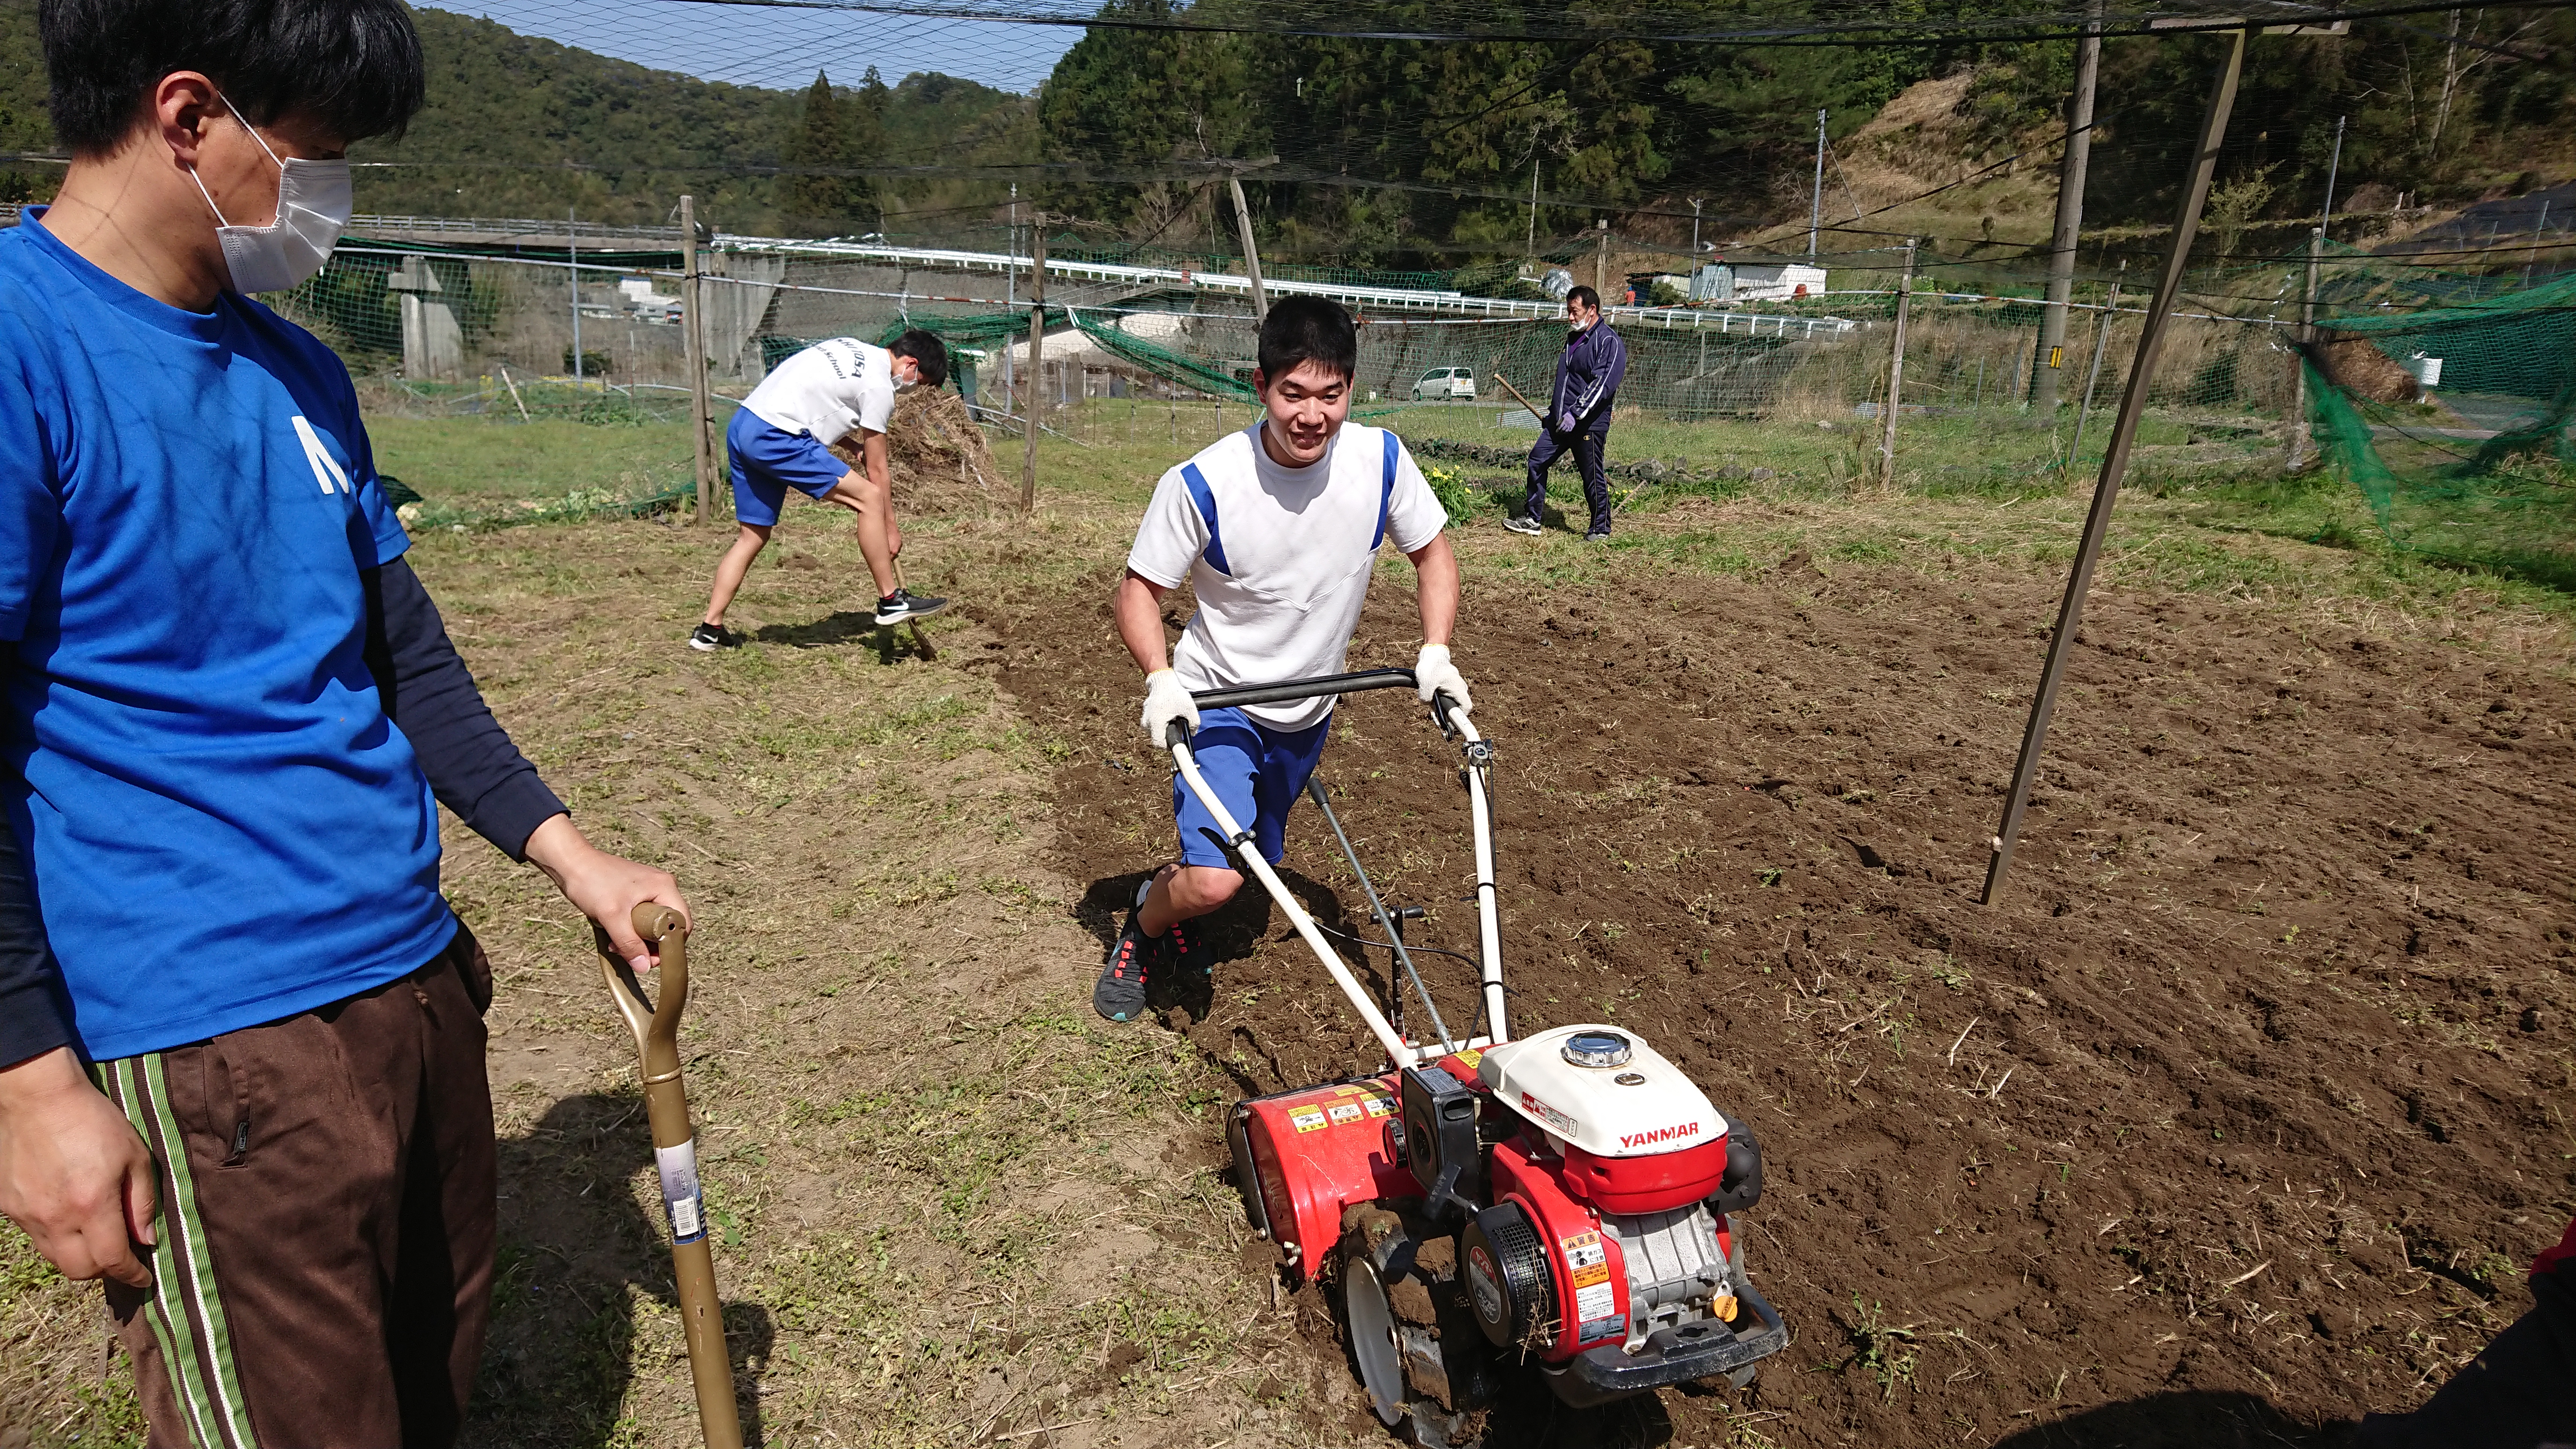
{"points": [[2454, 421]]}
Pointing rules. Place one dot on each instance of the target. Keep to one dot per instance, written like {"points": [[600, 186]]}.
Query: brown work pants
{"points": [[324, 1270]]}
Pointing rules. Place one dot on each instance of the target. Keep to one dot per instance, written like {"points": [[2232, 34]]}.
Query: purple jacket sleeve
{"points": [[1609, 365], [472, 766]]}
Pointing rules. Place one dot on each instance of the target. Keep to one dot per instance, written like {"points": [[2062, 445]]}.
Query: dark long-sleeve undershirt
{"points": [[472, 767], [35, 1016]]}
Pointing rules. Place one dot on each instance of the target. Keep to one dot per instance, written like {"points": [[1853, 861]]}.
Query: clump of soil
{"points": [[936, 456], [2228, 1121]]}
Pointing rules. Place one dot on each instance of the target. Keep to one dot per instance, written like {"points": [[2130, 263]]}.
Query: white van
{"points": [[1444, 384]]}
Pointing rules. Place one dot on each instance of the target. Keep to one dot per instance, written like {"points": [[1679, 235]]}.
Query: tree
{"points": [[833, 134]]}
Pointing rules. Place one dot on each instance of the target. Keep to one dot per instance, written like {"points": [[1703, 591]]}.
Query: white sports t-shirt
{"points": [[828, 389], [1296, 547]]}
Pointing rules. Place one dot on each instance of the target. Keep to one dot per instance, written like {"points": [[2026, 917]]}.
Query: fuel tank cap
{"points": [[1597, 1049]]}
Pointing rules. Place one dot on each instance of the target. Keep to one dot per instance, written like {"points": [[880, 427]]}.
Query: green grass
{"points": [[478, 461], [2206, 505]]}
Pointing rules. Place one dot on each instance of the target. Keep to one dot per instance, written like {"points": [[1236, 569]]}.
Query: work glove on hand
{"points": [[1434, 674], [1166, 700], [1565, 424]]}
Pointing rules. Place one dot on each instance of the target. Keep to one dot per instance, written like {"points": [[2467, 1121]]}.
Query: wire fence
{"points": [[2445, 395]]}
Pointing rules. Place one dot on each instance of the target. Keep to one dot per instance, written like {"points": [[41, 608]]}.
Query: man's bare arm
{"points": [[1435, 588], [1140, 621]]}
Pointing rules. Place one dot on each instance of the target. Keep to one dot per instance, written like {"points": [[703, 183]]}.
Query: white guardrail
{"points": [[1451, 303], [1720, 319]]}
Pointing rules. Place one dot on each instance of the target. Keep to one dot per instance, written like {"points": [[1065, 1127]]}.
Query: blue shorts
{"points": [[768, 460], [1256, 772]]}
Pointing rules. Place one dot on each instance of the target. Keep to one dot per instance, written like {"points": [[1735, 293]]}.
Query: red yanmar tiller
{"points": [[1562, 1202]]}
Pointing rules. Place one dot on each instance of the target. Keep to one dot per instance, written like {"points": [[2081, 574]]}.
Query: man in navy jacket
{"points": [[1587, 383]]}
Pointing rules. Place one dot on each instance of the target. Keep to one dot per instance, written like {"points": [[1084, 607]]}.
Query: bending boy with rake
{"points": [[1277, 529], [781, 438]]}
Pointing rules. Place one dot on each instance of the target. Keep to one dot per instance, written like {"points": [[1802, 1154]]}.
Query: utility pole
{"points": [[2070, 215], [1694, 201], [1037, 350], [1532, 251], [1895, 375], [572, 252], [2334, 167], [2307, 339], [1816, 207], [1601, 264], [2115, 464], [693, 323], [1251, 254]]}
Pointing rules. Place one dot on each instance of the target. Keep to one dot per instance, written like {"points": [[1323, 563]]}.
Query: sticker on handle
{"points": [[680, 1191]]}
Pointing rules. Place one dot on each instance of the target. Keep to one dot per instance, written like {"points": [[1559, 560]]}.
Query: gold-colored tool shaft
{"points": [[656, 1025]]}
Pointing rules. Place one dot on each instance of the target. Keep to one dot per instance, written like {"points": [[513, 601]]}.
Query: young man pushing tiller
{"points": [[241, 1034], [1277, 529]]}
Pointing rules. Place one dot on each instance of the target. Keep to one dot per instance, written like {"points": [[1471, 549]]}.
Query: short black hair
{"points": [[927, 351], [1309, 329], [353, 64], [1586, 296]]}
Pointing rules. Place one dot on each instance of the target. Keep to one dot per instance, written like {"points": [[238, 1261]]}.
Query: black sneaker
{"points": [[710, 637], [1183, 947], [1120, 993], [1518, 524], [903, 606]]}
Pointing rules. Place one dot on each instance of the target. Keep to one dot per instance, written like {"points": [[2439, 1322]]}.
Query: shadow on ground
{"points": [[577, 1255], [2206, 1419], [849, 626]]}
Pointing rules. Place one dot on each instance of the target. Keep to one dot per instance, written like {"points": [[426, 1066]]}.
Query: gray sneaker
{"points": [[1518, 524], [1598, 535], [903, 606]]}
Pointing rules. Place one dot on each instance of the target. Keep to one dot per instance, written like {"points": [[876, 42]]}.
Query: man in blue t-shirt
{"points": [[241, 1046]]}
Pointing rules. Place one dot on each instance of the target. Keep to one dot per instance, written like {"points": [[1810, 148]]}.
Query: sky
{"points": [[781, 47]]}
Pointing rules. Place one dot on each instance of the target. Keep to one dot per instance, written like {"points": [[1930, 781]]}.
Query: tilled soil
{"points": [[2238, 1116]]}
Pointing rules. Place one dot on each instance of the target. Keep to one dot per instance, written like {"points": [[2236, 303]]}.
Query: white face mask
{"points": [[313, 206]]}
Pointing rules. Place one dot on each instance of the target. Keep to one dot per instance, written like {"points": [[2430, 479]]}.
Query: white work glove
{"points": [[1166, 700], [1434, 674]]}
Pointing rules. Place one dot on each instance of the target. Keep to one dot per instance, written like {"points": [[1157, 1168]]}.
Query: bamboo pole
{"points": [[2115, 462]]}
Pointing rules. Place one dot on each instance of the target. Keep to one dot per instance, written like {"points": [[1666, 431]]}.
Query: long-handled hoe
{"points": [[656, 1025]]}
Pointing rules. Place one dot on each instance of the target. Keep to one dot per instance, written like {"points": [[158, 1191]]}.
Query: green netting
{"points": [[2454, 420]]}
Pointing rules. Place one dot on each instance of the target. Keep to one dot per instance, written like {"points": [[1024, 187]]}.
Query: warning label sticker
{"points": [[1592, 1303], [1379, 1104], [1564, 1124], [1347, 1112], [1589, 1260], [1308, 1119]]}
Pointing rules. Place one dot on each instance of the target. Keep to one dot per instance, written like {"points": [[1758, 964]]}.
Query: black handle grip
{"points": [[1316, 688]]}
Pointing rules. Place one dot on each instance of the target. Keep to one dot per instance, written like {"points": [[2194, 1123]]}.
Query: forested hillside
{"points": [[2438, 115], [519, 126]]}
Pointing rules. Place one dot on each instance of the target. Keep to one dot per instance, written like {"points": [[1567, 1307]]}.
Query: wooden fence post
{"points": [[693, 330], [1895, 374]]}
